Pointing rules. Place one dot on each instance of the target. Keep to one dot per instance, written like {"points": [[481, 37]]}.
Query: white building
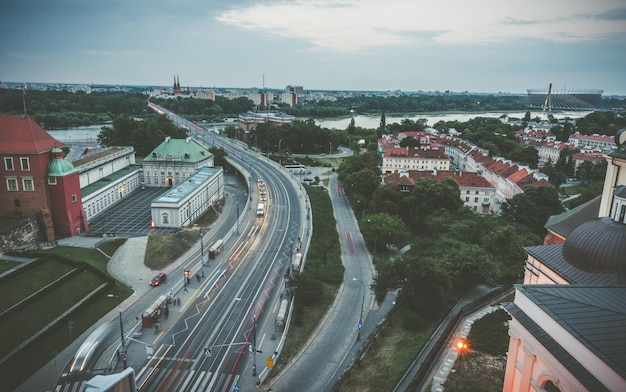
{"points": [[186, 202]]}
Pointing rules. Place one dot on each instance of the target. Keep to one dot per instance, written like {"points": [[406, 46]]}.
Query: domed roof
{"points": [[597, 246], [59, 167]]}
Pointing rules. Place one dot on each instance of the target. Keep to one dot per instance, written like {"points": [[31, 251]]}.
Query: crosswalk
{"points": [[169, 380]]}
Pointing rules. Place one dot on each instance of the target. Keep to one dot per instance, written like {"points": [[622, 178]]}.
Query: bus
{"points": [[296, 169], [281, 317], [260, 209], [215, 249], [297, 263]]}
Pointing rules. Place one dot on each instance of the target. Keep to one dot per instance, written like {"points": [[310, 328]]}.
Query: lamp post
{"points": [[237, 222], [254, 345], [330, 146], [123, 352], [360, 325], [202, 251], [280, 154]]}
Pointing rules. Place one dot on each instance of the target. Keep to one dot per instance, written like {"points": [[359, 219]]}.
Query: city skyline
{"points": [[364, 45]]}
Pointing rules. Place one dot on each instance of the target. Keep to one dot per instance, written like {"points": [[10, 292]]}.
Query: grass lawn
{"points": [[36, 314]]}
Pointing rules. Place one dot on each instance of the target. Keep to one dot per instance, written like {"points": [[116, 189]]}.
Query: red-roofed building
{"points": [[400, 158], [596, 141], [475, 191], [37, 181]]}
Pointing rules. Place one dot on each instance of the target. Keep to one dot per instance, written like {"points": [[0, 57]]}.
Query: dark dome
{"points": [[597, 246]]}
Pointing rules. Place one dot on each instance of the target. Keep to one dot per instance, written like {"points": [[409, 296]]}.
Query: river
{"points": [[90, 132], [373, 122]]}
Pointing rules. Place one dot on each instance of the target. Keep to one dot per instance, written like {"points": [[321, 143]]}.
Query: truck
{"points": [[296, 266], [281, 317]]}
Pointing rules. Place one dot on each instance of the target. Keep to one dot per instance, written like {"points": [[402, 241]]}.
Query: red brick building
{"points": [[36, 180]]}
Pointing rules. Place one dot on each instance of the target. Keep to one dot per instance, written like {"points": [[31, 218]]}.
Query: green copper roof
{"points": [[60, 167], [184, 150]]}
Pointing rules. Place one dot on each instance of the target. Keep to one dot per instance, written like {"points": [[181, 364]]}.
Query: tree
{"points": [[381, 230], [383, 126], [410, 142], [425, 282], [352, 126], [533, 207]]}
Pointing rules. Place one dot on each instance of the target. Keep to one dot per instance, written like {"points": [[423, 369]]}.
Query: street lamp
{"points": [[280, 154], [237, 221], [360, 325], [123, 352], [202, 250]]}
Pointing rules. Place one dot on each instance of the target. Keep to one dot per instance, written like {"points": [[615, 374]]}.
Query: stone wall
{"points": [[26, 232]]}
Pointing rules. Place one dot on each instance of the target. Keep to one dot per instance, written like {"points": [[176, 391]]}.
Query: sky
{"points": [[410, 45]]}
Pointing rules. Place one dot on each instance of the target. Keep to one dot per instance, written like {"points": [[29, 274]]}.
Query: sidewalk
{"points": [[126, 265]]}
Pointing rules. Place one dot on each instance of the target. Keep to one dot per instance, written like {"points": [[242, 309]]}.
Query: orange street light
{"points": [[461, 345]]}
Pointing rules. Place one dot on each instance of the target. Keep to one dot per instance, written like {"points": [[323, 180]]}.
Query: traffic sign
{"points": [[236, 389], [360, 324]]}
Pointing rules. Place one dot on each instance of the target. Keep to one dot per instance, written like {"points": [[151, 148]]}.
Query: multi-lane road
{"points": [[209, 346]]}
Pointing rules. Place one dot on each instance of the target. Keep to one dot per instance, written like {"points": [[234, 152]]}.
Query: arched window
{"points": [[165, 217], [550, 387]]}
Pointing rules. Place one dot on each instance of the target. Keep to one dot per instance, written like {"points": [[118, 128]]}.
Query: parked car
{"points": [[158, 279]]}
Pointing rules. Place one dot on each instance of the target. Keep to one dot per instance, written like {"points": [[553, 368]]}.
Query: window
{"points": [[28, 184], [475, 200], [25, 164], [52, 180], [12, 184], [73, 198], [550, 387], [165, 218], [8, 164], [467, 199]]}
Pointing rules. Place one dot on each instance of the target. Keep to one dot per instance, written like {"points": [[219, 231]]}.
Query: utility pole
{"points": [[202, 251], [254, 346], [123, 352]]}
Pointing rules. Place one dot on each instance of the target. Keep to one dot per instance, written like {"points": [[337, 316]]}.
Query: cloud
{"points": [[352, 25]]}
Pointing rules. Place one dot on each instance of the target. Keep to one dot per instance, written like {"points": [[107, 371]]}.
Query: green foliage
{"points": [[360, 175], [58, 109], [603, 123], [532, 208], [221, 108], [144, 136], [498, 138], [489, 334], [323, 264], [219, 156], [384, 229], [410, 142]]}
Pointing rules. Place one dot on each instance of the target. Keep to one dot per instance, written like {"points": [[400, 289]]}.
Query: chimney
{"points": [[167, 139]]}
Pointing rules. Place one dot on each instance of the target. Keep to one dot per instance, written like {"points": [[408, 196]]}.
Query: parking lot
{"points": [[131, 216]]}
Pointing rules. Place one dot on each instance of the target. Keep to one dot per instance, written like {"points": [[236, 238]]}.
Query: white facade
{"points": [[123, 183], [186, 202], [93, 170]]}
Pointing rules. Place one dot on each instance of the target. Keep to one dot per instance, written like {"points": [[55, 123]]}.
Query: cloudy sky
{"points": [[458, 45]]}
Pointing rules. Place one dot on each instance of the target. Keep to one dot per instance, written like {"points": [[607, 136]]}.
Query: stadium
{"points": [[548, 99]]}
